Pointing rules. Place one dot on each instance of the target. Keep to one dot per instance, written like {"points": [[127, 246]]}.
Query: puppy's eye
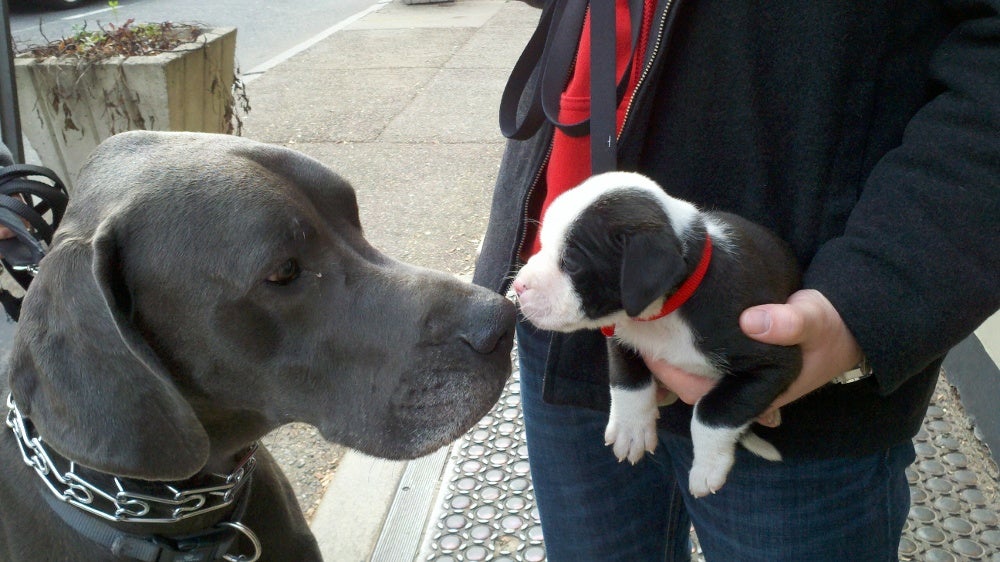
{"points": [[286, 273], [571, 263]]}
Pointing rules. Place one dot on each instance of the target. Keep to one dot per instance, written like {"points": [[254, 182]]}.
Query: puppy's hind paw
{"points": [[714, 455], [708, 477]]}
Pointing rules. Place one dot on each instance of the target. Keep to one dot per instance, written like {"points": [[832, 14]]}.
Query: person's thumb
{"points": [[778, 324]]}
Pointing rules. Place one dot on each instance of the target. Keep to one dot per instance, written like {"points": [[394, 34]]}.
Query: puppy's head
{"points": [[611, 248]]}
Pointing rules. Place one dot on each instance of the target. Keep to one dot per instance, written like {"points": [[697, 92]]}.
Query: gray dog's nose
{"points": [[493, 324]]}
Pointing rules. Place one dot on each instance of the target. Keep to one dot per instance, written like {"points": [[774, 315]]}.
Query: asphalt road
{"points": [[265, 30]]}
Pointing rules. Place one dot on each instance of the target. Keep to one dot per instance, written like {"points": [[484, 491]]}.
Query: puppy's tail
{"points": [[759, 447]]}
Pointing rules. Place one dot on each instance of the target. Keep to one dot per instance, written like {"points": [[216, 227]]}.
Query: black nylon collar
{"points": [[207, 545]]}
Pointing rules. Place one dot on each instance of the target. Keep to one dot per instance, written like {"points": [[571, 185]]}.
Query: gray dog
{"points": [[201, 291]]}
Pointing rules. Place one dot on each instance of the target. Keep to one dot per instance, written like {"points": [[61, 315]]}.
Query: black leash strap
{"points": [[32, 202], [551, 52], [603, 93]]}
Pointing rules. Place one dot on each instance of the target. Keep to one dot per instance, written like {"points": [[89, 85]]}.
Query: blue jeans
{"points": [[594, 508]]}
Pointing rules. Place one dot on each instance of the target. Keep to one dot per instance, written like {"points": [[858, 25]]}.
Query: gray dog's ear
{"points": [[83, 373], [652, 264]]}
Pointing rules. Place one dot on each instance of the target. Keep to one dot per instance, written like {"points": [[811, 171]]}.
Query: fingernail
{"points": [[756, 321]]}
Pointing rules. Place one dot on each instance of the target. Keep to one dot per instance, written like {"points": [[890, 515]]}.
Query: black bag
{"points": [[32, 202]]}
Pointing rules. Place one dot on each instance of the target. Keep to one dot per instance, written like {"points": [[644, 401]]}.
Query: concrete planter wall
{"points": [[68, 107]]}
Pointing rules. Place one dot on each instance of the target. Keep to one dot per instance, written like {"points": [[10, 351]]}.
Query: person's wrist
{"points": [[860, 372]]}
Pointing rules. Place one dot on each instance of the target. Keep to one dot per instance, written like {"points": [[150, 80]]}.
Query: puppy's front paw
{"points": [[708, 476], [631, 439], [631, 427]]}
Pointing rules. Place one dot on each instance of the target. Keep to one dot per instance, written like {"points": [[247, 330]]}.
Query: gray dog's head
{"points": [[204, 289]]}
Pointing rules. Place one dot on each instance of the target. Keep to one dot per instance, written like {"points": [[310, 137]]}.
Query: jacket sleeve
{"points": [[918, 266]]}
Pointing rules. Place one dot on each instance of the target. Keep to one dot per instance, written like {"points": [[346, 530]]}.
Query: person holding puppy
{"points": [[867, 136]]}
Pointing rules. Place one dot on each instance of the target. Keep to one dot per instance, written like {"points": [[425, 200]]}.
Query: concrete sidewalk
{"points": [[402, 100]]}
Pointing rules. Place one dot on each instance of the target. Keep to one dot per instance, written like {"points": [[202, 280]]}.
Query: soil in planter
{"points": [[128, 39]]}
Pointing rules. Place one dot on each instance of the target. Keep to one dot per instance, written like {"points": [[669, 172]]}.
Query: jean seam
{"points": [[675, 497], [887, 491], [675, 505]]}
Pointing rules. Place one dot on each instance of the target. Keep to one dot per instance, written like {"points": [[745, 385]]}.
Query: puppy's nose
{"points": [[519, 286], [493, 328]]}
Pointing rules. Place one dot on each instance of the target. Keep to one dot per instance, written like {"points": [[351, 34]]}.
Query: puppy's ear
{"points": [[83, 373], [652, 264]]}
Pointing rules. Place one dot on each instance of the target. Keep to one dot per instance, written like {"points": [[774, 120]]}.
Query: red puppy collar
{"points": [[682, 294]]}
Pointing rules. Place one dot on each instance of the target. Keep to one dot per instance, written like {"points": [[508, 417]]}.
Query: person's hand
{"points": [[809, 320], [687, 387]]}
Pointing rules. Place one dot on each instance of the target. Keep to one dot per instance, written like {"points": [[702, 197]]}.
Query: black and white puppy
{"points": [[670, 282]]}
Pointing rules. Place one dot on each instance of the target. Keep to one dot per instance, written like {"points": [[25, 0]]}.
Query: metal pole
{"points": [[10, 120]]}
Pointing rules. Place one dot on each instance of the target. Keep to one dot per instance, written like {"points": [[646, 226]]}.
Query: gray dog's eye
{"points": [[286, 273]]}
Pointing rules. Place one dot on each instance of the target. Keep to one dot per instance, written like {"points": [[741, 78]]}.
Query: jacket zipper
{"points": [[525, 203], [645, 71]]}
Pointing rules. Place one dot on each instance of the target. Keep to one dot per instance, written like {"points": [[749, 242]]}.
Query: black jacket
{"points": [[867, 134]]}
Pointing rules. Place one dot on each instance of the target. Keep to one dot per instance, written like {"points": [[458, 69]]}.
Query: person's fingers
{"points": [[689, 388], [770, 418], [664, 396], [692, 388], [778, 324], [807, 320], [810, 321]]}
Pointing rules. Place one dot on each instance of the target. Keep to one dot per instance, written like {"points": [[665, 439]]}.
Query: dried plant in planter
{"points": [[76, 91], [129, 40]]}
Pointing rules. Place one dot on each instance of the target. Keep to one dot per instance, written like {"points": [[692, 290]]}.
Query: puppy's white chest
{"points": [[669, 338]]}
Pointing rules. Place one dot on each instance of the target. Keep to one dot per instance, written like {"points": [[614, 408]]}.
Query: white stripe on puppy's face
{"points": [[568, 206]]}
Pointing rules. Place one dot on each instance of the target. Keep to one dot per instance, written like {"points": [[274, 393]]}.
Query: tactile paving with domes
{"points": [[955, 514], [485, 509]]}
